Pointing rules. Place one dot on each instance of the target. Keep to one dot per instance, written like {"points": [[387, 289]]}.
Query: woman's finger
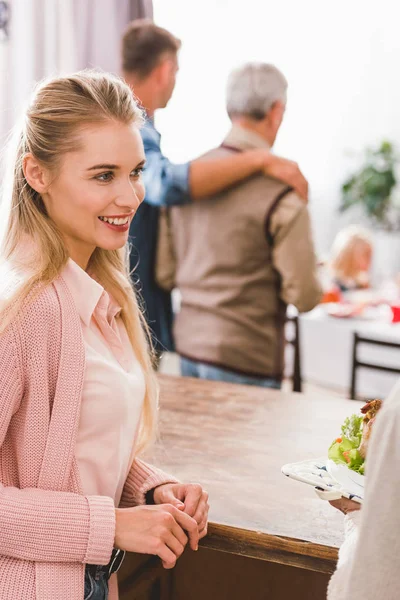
{"points": [[179, 534], [202, 508], [203, 532], [189, 525], [174, 544], [170, 496], [203, 523], [167, 556], [193, 497]]}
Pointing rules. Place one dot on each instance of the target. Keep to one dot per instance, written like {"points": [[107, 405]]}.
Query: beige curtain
{"points": [[140, 9], [47, 37], [40, 42], [99, 27]]}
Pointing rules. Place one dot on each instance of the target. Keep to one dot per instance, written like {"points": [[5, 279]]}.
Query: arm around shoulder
{"points": [[166, 183]]}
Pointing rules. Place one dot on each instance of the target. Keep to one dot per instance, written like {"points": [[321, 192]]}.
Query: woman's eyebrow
{"points": [[103, 166], [114, 167]]}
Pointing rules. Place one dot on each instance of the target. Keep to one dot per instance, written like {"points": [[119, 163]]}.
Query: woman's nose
{"points": [[132, 195]]}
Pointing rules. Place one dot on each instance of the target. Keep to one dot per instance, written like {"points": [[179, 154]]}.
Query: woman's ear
{"points": [[35, 174]]}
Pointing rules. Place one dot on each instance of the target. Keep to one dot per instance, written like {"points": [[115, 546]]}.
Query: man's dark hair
{"points": [[143, 45]]}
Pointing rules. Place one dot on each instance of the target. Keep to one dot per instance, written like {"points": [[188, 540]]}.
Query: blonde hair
{"points": [[51, 126], [346, 249]]}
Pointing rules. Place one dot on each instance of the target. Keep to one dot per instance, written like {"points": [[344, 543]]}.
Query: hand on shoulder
{"points": [[287, 171]]}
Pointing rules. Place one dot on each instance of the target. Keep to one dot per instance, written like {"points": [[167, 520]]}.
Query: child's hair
{"points": [[59, 108], [350, 244]]}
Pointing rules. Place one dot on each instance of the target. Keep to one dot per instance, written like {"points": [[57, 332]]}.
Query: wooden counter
{"points": [[269, 537]]}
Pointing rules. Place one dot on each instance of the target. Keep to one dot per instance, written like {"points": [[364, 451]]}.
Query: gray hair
{"points": [[253, 89]]}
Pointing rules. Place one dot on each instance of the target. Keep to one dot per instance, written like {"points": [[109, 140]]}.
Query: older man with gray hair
{"points": [[238, 258]]}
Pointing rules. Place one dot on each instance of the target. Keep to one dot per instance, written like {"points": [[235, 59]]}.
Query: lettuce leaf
{"points": [[352, 429], [344, 450], [337, 449]]}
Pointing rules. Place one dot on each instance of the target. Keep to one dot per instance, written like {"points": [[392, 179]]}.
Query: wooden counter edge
{"points": [[240, 542], [271, 548]]}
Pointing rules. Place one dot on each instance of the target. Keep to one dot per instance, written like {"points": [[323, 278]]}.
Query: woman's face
{"points": [[98, 189]]}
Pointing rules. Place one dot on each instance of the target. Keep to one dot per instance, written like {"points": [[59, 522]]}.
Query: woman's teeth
{"points": [[120, 221]]}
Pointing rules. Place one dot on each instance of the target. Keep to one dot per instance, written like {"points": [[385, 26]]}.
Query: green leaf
{"points": [[372, 185], [352, 429]]}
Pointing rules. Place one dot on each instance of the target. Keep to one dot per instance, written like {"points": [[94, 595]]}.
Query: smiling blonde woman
{"points": [[77, 391]]}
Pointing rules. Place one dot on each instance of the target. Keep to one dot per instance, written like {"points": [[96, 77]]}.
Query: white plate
{"points": [[349, 480], [315, 472]]}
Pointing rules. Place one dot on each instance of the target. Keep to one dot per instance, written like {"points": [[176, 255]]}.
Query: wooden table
{"points": [[269, 537]]}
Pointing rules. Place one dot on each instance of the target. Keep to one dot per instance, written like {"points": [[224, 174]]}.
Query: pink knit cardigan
{"points": [[48, 528]]}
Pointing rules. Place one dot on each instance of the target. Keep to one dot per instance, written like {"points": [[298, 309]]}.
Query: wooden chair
{"points": [[294, 340], [360, 364]]}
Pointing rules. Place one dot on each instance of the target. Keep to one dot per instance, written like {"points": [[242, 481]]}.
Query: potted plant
{"points": [[373, 189], [372, 186]]}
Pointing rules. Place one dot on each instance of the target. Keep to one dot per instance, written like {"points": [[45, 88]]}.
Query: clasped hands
{"points": [[179, 516]]}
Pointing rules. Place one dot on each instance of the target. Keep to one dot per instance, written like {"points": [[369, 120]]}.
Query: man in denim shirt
{"points": [[150, 65], [166, 184]]}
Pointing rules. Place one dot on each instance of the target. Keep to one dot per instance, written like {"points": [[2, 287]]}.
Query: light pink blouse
{"points": [[113, 389]]}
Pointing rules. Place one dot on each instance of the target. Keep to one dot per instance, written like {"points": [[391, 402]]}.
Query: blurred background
{"points": [[341, 61], [342, 121]]}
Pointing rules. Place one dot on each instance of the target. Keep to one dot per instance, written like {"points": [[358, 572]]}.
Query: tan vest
{"points": [[231, 314], [238, 257]]}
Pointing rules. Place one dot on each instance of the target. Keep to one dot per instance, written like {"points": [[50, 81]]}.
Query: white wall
{"points": [[342, 60]]}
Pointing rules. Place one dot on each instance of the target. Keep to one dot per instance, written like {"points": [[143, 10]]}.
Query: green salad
{"points": [[346, 448]]}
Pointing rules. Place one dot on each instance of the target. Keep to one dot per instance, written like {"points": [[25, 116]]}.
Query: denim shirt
{"points": [[167, 184]]}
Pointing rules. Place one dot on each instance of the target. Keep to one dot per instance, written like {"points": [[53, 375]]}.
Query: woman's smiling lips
{"points": [[117, 222]]}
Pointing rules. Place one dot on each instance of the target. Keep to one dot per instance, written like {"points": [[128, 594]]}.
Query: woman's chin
{"points": [[115, 244]]}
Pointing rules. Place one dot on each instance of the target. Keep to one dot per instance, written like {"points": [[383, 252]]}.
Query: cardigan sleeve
{"points": [[141, 479], [46, 525]]}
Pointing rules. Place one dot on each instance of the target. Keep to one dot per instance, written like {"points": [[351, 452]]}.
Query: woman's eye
{"points": [[137, 172], [105, 177]]}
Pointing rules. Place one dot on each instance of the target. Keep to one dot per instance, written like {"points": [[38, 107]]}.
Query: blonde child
{"points": [[351, 258]]}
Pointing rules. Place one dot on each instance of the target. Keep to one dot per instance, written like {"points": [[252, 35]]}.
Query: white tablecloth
{"points": [[327, 345]]}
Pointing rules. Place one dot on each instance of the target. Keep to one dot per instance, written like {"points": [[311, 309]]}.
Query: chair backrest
{"points": [[358, 364], [294, 340]]}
